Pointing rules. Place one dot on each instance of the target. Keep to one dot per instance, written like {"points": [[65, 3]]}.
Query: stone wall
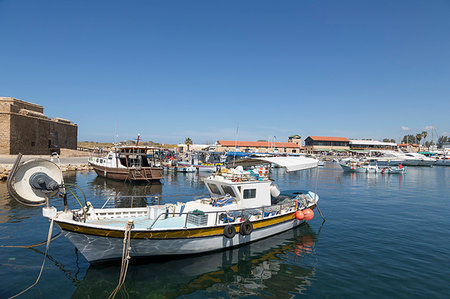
{"points": [[25, 129], [35, 136]]}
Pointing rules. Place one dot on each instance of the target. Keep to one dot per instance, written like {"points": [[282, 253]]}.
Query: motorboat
{"points": [[416, 159], [186, 169], [389, 158], [362, 167], [128, 163], [400, 169], [200, 166], [242, 206], [443, 160]]}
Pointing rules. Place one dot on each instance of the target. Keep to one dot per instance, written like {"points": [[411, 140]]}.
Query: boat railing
{"points": [[143, 199], [242, 214]]}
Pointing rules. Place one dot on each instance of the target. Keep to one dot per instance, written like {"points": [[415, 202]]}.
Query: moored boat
{"points": [[400, 169], [242, 206], [362, 167], [127, 163]]}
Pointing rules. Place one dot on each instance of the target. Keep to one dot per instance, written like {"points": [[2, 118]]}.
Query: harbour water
{"points": [[385, 236]]}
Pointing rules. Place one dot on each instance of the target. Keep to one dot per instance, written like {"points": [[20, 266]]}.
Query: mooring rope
{"points": [[49, 238], [125, 258], [315, 195], [32, 245]]}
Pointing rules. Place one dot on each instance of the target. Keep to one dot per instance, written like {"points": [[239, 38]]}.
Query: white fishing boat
{"points": [[242, 206], [362, 167], [186, 169]]}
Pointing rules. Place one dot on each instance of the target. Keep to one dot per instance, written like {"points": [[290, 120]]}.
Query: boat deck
{"points": [[142, 223]]}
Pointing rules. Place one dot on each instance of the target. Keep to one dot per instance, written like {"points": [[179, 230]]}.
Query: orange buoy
{"points": [[299, 215], [309, 214]]}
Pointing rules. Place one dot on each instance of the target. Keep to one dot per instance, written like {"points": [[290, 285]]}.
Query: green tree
{"points": [[188, 142], [418, 138], [409, 139], [424, 135]]}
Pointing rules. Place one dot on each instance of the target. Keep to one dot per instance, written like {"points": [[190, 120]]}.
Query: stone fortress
{"points": [[24, 128]]}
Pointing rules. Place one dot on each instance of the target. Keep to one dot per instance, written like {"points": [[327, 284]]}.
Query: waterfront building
{"points": [[24, 128], [296, 139], [367, 144], [291, 147], [316, 144]]}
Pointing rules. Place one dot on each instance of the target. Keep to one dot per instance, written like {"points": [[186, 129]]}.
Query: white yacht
{"points": [[416, 159]]}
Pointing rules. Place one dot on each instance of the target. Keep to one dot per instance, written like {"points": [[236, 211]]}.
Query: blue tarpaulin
{"points": [[237, 154]]}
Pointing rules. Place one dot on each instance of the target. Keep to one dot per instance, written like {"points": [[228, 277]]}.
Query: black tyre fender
{"points": [[246, 228], [229, 231]]}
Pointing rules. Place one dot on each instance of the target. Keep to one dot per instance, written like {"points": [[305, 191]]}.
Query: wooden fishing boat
{"points": [[128, 163], [242, 206]]}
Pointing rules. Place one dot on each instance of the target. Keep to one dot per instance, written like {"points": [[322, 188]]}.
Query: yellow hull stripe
{"points": [[171, 234]]}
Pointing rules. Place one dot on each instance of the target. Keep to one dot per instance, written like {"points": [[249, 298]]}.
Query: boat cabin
{"points": [[249, 189]]}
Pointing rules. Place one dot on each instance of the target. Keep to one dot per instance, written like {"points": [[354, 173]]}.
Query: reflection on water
{"points": [[278, 266]]}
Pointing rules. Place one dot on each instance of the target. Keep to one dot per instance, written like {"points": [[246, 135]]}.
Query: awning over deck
{"points": [[290, 163]]}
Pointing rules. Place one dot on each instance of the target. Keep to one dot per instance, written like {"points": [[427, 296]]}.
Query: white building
{"points": [[358, 144]]}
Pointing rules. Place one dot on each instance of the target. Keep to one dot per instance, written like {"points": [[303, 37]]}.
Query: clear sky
{"points": [[175, 69]]}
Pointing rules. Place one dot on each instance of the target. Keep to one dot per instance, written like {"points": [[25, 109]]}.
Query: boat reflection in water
{"points": [[121, 194], [279, 266]]}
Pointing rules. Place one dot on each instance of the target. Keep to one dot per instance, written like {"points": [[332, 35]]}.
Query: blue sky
{"points": [[199, 69]]}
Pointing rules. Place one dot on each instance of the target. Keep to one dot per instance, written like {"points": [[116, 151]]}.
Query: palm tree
{"points": [[419, 137], [424, 135], [188, 142]]}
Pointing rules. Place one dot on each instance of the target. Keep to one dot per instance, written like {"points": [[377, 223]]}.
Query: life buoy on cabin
{"points": [[246, 228], [229, 231]]}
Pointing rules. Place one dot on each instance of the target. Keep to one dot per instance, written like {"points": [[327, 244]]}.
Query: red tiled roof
{"points": [[406, 144], [257, 144], [325, 138]]}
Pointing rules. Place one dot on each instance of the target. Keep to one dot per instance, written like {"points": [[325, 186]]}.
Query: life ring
{"points": [[260, 172], [246, 228], [229, 231]]}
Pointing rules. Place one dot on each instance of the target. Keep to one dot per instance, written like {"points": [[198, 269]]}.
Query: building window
{"points": [[249, 193], [33, 143], [214, 189]]}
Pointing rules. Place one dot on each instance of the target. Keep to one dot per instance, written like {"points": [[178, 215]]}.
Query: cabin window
{"points": [[249, 193], [214, 189], [228, 190]]}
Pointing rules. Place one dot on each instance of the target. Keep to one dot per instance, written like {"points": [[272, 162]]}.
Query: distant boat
{"points": [[127, 163], [393, 169], [416, 159], [359, 167], [187, 169]]}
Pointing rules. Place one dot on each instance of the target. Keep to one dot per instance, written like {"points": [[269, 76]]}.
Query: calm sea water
{"points": [[385, 236]]}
